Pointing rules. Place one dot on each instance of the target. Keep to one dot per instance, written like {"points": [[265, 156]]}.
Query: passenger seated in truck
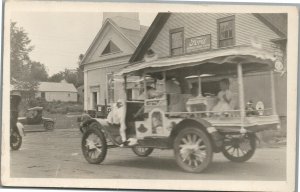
{"points": [[151, 93], [224, 99]]}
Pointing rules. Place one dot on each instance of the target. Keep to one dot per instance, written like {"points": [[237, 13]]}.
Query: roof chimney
{"points": [[123, 19]]}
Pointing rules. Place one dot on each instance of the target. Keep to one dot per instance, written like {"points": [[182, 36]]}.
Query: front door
{"points": [[95, 100]]}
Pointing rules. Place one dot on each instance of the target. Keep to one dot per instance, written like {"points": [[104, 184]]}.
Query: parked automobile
{"points": [[34, 120], [16, 128]]}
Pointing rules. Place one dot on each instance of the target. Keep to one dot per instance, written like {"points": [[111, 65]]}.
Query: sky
{"points": [[59, 38]]}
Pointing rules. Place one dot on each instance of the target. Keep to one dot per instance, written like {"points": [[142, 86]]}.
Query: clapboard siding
{"points": [[247, 28], [97, 77]]}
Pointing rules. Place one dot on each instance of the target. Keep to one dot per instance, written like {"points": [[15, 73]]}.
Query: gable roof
{"points": [[277, 23], [56, 87], [132, 36], [150, 36]]}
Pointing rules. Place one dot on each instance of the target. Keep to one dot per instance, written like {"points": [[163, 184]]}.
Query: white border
{"points": [[292, 53]]}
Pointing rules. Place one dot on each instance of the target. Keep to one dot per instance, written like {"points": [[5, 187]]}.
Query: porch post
{"points": [[274, 110], [241, 92]]}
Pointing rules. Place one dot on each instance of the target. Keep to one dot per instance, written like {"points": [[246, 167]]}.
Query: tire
{"points": [[49, 126], [235, 147], [193, 158], [15, 140], [93, 141], [142, 151]]}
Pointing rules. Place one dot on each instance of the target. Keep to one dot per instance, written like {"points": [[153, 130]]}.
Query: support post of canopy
{"points": [[241, 94], [199, 86], [145, 86], [165, 82], [274, 110], [165, 89], [125, 87]]}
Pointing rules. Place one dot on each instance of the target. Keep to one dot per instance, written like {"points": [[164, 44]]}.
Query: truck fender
{"points": [[21, 129], [101, 123]]}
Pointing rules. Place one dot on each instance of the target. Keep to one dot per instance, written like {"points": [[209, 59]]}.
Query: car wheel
{"points": [[15, 140], [239, 148], [49, 126], [142, 151], [93, 145], [193, 149]]}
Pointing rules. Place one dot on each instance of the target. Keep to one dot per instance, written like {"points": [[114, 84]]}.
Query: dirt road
{"points": [[58, 154]]}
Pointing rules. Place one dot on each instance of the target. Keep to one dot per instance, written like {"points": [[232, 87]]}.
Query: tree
{"points": [[38, 71], [19, 50], [20, 62], [57, 77], [71, 76], [80, 71]]}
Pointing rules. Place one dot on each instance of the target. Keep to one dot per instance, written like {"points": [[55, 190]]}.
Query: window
{"points": [[110, 48], [110, 87], [226, 33], [176, 41]]}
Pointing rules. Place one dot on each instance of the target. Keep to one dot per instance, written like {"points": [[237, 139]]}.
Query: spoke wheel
{"points": [[142, 151], [93, 145], [238, 148], [15, 140], [193, 150], [49, 126]]}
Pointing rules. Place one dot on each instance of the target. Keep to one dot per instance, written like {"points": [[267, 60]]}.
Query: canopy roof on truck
{"points": [[220, 61]]}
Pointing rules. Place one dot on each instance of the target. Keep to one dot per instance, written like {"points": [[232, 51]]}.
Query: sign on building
{"points": [[200, 43]]}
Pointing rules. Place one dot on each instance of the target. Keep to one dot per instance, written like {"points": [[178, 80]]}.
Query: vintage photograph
{"points": [[168, 97]]}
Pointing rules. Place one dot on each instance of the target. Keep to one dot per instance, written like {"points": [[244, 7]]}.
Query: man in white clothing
{"points": [[117, 117]]}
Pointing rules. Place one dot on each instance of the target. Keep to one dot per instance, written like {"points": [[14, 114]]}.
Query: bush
{"points": [[53, 106]]}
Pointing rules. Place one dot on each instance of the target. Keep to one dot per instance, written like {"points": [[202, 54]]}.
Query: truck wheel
{"points": [[49, 126], [93, 145], [193, 149], [238, 148], [15, 140], [142, 151]]}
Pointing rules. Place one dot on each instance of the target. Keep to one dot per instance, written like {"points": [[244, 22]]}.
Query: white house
{"points": [[57, 91], [110, 51]]}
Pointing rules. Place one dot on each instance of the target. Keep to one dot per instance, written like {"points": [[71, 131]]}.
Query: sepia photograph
{"points": [[149, 96]]}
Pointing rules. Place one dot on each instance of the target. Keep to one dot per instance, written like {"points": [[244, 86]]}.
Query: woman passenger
{"points": [[224, 97]]}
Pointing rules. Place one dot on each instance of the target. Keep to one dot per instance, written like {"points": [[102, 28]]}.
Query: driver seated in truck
{"points": [[117, 117]]}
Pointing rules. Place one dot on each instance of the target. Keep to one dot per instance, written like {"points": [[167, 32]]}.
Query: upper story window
{"points": [[226, 32], [176, 41], [110, 48]]}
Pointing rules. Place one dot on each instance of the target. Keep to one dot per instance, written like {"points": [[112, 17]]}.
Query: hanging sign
{"points": [[200, 43]]}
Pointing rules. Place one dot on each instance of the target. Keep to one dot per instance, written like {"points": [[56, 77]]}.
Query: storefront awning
{"points": [[251, 58]]}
